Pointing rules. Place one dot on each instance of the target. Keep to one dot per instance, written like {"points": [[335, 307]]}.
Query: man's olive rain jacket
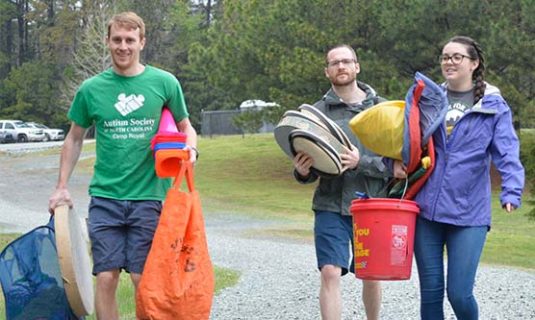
{"points": [[370, 176]]}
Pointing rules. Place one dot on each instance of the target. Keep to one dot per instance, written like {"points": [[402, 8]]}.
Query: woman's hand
{"points": [[508, 207], [400, 171]]}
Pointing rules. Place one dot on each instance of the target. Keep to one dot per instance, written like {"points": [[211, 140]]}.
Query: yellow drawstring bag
{"points": [[380, 128]]}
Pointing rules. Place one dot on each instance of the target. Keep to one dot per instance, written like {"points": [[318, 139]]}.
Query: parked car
{"points": [[6, 137], [50, 134], [20, 131]]}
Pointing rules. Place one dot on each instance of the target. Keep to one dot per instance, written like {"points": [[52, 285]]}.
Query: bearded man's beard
{"points": [[343, 83]]}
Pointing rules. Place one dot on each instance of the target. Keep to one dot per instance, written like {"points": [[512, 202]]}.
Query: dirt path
{"points": [[26, 182], [278, 278]]}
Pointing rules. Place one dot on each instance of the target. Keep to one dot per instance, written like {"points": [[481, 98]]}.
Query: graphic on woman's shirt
{"points": [[459, 104], [455, 112]]}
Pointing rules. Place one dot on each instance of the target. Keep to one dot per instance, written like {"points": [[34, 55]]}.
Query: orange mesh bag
{"points": [[178, 279]]}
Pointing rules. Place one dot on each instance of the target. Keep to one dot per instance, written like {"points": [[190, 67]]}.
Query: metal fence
{"points": [[220, 122]]}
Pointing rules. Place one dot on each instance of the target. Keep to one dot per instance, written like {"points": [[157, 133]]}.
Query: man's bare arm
{"points": [[72, 146]]}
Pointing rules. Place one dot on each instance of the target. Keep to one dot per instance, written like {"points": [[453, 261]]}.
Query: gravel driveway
{"points": [[278, 276]]}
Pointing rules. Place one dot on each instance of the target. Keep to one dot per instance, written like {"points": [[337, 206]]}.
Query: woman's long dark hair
{"points": [[476, 53]]}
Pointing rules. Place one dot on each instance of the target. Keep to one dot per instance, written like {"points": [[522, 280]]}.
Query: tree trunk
{"points": [[8, 50], [50, 12], [208, 12], [20, 32], [26, 33]]}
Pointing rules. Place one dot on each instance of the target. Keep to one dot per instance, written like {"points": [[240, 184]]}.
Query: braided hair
{"points": [[476, 53]]}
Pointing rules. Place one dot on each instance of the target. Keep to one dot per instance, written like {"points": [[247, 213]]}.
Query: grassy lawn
{"points": [[249, 175], [125, 292], [511, 241]]}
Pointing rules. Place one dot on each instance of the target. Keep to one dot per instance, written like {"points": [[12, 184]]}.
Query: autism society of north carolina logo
{"points": [[126, 105]]}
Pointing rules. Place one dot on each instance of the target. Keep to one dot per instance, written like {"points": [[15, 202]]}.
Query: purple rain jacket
{"points": [[458, 191]]}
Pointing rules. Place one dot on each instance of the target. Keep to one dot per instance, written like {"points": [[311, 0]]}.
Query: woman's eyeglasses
{"points": [[455, 58]]}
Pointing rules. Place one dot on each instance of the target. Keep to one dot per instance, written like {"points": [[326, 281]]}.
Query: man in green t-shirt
{"points": [[125, 104]]}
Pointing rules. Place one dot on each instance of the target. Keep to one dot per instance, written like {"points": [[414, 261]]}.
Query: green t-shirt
{"points": [[126, 112]]}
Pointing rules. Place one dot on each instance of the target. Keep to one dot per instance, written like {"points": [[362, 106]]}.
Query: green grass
{"points": [[248, 175], [125, 291], [511, 241], [5, 239], [251, 176]]}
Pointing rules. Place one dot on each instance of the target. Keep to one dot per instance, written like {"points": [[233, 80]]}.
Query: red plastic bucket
{"points": [[383, 237]]}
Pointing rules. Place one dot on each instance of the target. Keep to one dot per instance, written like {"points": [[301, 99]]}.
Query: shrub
{"points": [[248, 121], [527, 155]]}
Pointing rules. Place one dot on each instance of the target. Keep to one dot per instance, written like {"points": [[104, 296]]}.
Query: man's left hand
{"points": [[350, 158], [193, 154]]}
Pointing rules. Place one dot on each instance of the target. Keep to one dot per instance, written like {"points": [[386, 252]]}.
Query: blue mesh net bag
{"points": [[31, 278]]}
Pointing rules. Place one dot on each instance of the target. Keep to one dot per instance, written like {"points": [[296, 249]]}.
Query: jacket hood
{"points": [[492, 96], [491, 90], [494, 101]]}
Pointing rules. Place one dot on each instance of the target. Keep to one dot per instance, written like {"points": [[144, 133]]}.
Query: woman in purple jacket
{"points": [[455, 202]]}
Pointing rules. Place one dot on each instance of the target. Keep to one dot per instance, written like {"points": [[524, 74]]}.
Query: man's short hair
{"points": [[129, 20], [341, 46]]}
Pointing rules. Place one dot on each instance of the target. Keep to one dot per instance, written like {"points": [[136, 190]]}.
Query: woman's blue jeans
{"points": [[464, 246]]}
